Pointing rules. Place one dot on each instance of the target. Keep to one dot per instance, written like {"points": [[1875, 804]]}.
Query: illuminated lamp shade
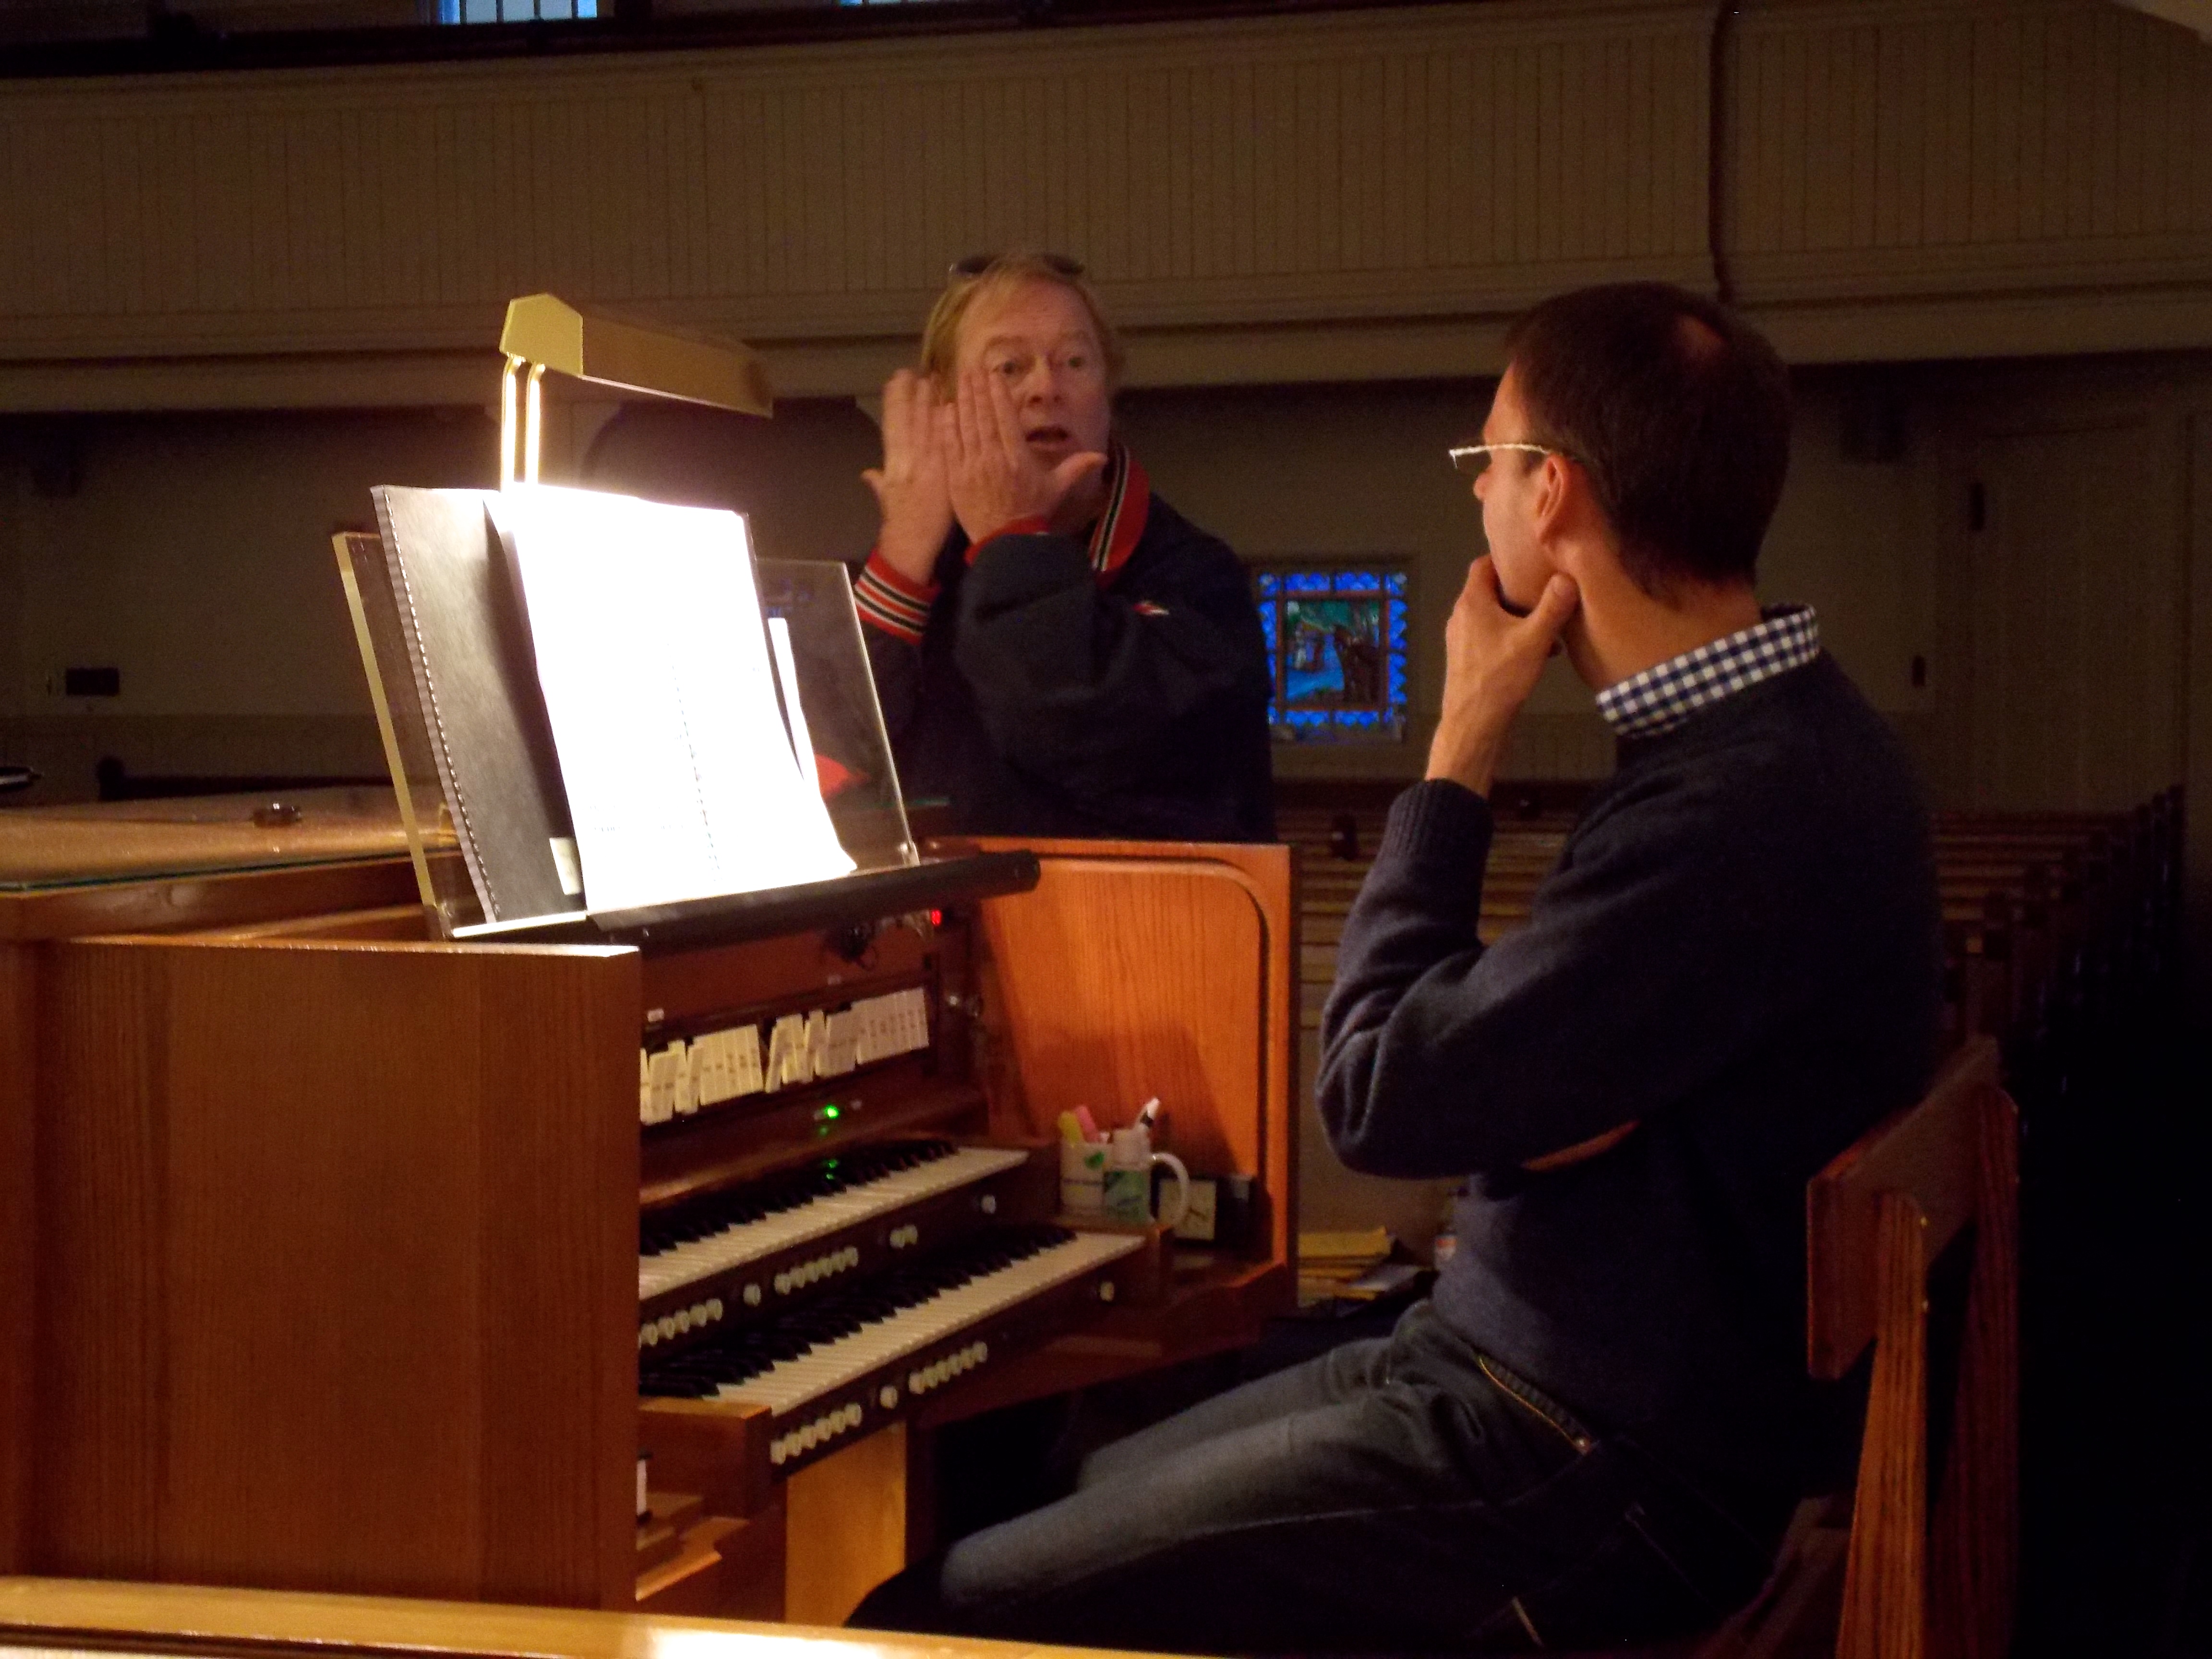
{"points": [[543, 332]]}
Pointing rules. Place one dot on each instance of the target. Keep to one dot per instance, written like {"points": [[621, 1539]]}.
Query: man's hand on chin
{"points": [[1491, 659]]}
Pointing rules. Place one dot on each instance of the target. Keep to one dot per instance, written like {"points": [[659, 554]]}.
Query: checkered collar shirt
{"points": [[1666, 694]]}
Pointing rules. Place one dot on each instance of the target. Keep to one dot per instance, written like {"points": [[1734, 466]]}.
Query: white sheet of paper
{"points": [[680, 774]]}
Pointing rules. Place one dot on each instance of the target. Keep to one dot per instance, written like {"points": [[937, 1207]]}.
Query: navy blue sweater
{"points": [[1739, 952]]}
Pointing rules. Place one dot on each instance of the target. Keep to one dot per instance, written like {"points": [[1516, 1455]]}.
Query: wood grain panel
{"points": [[819, 190], [444, 1170], [158, 1618], [18, 1239], [1881, 147], [1929, 1155], [1353, 195], [1132, 970], [845, 1527]]}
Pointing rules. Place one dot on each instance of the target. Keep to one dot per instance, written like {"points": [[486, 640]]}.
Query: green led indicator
{"points": [[832, 1113]]}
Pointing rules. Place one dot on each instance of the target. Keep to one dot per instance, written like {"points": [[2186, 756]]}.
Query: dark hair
{"points": [[1678, 410]]}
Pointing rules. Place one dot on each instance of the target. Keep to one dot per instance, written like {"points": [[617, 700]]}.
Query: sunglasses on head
{"points": [[976, 263]]}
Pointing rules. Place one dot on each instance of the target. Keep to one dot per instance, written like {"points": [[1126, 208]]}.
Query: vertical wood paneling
{"points": [[1436, 161], [1881, 147]]}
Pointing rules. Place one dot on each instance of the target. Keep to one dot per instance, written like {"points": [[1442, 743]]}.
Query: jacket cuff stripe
{"points": [[890, 603], [890, 576]]}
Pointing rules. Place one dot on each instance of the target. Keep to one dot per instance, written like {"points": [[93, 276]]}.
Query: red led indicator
{"points": [[937, 918]]}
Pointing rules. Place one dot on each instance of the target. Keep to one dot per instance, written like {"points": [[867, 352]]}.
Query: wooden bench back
{"points": [[1930, 1574]]}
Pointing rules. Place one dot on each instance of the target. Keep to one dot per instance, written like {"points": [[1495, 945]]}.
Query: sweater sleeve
{"points": [[1648, 963], [1089, 689]]}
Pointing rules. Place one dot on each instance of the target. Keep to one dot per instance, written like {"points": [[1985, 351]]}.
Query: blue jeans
{"points": [[1405, 1494]]}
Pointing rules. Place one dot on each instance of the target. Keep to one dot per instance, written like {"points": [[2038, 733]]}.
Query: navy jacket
{"points": [[1114, 685]]}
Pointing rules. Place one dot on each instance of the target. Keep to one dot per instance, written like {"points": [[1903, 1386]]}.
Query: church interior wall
{"points": [[189, 551]]}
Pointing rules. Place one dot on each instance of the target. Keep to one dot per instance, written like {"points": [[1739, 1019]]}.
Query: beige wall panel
{"points": [[194, 557], [1222, 173], [1880, 149], [2077, 671]]}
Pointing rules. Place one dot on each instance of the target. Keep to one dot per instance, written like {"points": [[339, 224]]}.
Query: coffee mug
{"points": [[1126, 1192], [1082, 1176]]}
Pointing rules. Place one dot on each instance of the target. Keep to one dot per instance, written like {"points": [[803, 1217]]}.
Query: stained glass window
{"points": [[1336, 641], [513, 11]]}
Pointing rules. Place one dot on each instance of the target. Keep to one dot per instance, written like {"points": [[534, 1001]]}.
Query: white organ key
{"points": [[644, 1086], [750, 1240], [831, 1365]]}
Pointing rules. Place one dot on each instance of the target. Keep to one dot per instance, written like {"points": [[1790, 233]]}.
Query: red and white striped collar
{"points": [[1128, 504]]}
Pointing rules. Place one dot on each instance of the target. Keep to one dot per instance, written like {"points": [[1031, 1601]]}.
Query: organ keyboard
{"points": [[762, 1244], [852, 1361]]}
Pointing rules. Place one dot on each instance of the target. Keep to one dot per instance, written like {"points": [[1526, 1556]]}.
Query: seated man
{"points": [[1595, 1431], [1058, 651]]}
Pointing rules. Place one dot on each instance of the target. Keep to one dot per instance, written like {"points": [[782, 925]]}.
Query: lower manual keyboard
{"points": [[724, 1255], [854, 1359]]}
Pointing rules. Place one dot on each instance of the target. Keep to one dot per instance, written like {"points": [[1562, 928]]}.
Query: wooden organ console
{"points": [[338, 1256]]}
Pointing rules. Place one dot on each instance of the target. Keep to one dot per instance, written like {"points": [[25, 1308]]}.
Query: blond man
{"points": [[1056, 649]]}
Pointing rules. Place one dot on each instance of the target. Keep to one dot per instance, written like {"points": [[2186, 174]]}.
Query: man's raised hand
{"points": [[994, 477], [1491, 659], [910, 486]]}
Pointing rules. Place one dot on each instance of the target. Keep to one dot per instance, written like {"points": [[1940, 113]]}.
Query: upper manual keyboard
{"points": [[720, 1232]]}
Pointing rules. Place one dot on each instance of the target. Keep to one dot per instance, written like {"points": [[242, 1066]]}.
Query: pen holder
{"points": [[1082, 1177], [1126, 1194]]}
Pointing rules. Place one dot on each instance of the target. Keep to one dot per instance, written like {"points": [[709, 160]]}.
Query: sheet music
{"points": [[681, 776]]}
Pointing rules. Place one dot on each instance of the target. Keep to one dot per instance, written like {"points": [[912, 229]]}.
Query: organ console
{"points": [[342, 1257]]}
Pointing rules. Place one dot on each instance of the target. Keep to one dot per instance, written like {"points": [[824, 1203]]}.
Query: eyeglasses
{"points": [[976, 263], [1472, 458]]}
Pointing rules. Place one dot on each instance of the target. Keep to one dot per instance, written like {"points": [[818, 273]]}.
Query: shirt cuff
{"points": [[1030, 527], [894, 603]]}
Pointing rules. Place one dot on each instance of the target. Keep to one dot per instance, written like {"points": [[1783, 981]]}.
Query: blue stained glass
{"points": [[1327, 689]]}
